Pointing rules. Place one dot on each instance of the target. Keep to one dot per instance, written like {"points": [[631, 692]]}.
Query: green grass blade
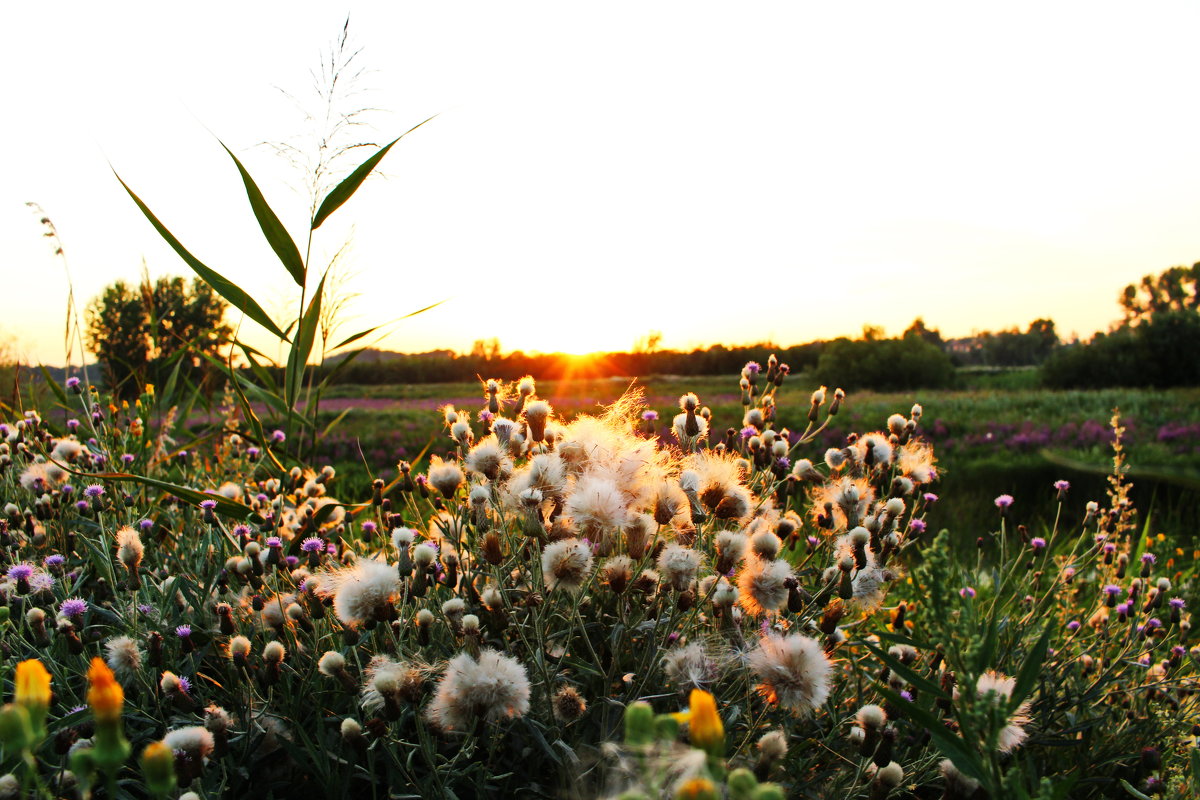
{"points": [[276, 235], [220, 284], [302, 347], [346, 189]]}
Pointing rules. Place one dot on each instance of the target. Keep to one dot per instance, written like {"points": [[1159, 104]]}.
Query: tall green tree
{"points": [[142, 334]]}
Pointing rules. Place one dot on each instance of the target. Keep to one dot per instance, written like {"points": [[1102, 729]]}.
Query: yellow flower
{"points": [[705, 728], [105, 695], [33, 686], [697, 789]]}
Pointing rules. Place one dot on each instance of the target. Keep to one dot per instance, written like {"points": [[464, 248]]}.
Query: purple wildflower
{"points": [[1062, 486], [208, 505], [183, 631], [20, 572], [94, 491], [185, 685], [278, 437], [783, 463], [73, 383], [67, 489], [1037, 543], [145, 608], [931, 498], [369, 527], [967, 592], [753, 367], [650, 416], [82, 506], [749, 431], [917, 526], [1073, 625], [73, 607], [312, 544], [1004, 501], [907, 695], [128, 458], [54, 560], [291, 561], [1149, 558], [274, 541], [1176, 603]]}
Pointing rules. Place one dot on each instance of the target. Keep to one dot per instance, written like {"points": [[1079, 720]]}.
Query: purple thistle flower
{"points": [[331, 549], [486, 416], [82, 506], [208, 505], [1004, 501], [274, 541], [278, 437], [73, 607], [1073, 625], [183, 631], [128, 458], [146, 525], [291, 561], [1176, 603], [94, 491], [1123, 609], [749, 431], [253, 452], [753, 367], [1037, 543], [1149, 558], [1154, 622], [75, 710], [41, 581], [967, 592], [1179, 651], [1062, 486], [1110, 548], [813, 541], [917, 526], [907, 695], [20, 572], [650, 416], [185, 685], [241, 530], [67, 489], [145, 608], [54, 560], [99, 459], [783, 462], [312, 544], [369, 527], [73, 383], [931, 498]]}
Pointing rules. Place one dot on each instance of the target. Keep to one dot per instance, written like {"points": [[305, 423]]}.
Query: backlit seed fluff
{"points": [[424, 554], [486, 458], [492, 688], [239, 647], [461, 432], [363, 591], [569, 705], [273, 652], [567, 564], [678, 565], [689, 402], [690, 667], [129, 547], [871, 716], [123, 657], [793, 672], [454, 608], [402, 539], [331, 663], [689, 481], [894, 507], [470, 623], [766, 545], [835, 458], [890, 776], [445, 476], [762, 585], [196, 741], [351, 730], [772, 745]]}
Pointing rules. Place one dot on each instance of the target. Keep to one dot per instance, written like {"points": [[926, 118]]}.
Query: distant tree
{"points": [[1174, 289], [919, 330], [140, 334]]}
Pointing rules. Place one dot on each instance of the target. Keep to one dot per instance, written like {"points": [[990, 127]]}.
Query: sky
{"points": [[719, 173]]}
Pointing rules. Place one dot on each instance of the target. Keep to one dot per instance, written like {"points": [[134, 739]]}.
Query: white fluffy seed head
{"points": [[273, 652], [331, 663]]}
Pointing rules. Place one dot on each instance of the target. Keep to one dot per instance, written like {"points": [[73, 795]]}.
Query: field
{"points": [[995, 435]]}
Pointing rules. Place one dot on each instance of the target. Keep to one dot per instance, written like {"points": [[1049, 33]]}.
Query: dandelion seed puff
{"points": [[129, 547], [639, 533], [597, 507], [492, 688], [566, 563], [363, 591], [36, 478], [679, 426], [230, 491], [765, 544], [536, 415], [67, 450], [917, 462], [486, 458], [690, 667], [331, 664], [731, 549], [445, 476], [958, 784], [667, 501], [389, 680], [793, 672], [679, 565], [123, 657], [761, 585], [1001, 687], [195, 740], [870, 586]]}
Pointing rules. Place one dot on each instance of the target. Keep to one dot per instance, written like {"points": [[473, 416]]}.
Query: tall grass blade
{"points": [[276, 235]]}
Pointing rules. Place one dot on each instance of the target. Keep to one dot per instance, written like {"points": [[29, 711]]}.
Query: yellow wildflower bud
{"points": [[704, 724], [158, 765], [105, 695], [33, 693], [697, 789]]}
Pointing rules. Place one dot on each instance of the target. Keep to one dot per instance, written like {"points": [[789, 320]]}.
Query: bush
{"points": [[884, 364], [1162, 351]]}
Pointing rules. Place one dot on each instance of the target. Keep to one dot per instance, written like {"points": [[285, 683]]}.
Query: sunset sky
{"points": [[717, 172]]}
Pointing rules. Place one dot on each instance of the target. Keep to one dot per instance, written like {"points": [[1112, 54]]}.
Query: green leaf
{"points": [[965, 759], [1194, 758], [1029, 671], [302, 347], [193, 497], [344, 190], [220, 284], [277, 235], [908, 673], [1134, 792]]}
